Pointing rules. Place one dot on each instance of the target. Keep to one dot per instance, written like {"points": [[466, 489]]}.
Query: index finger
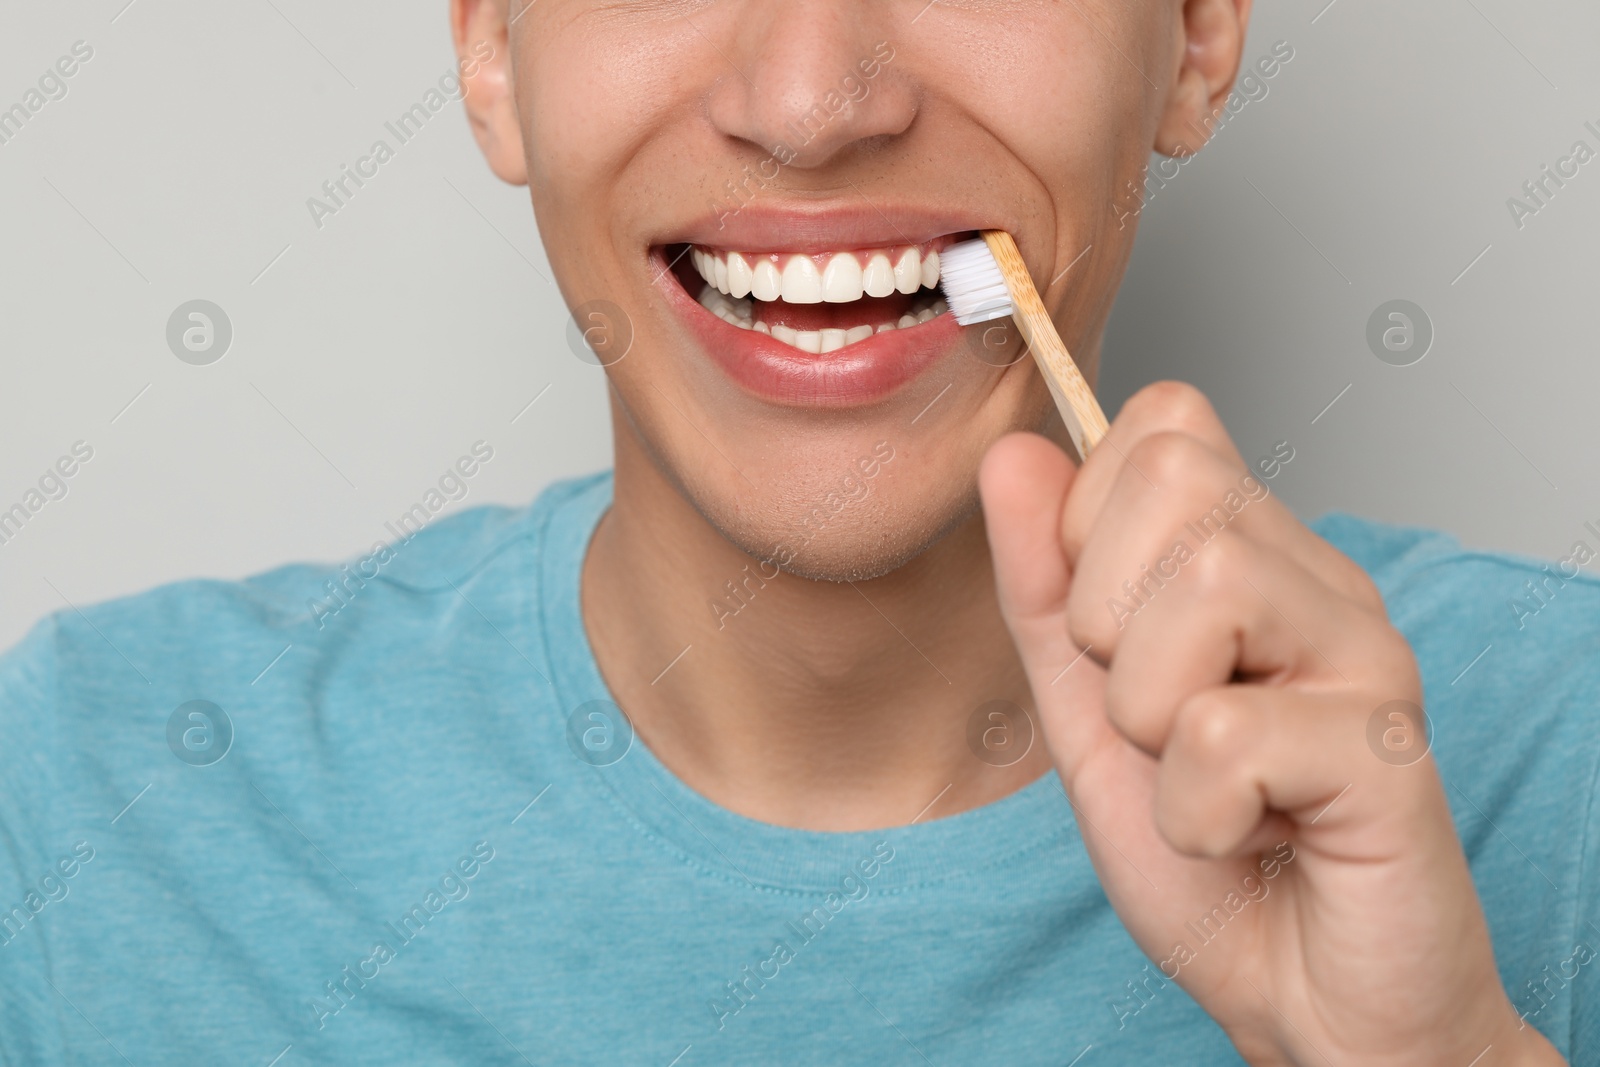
{"points": [[1161, 411]]}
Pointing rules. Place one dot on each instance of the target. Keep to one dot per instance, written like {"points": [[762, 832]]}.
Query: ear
{"points": [[1213, 41], [483, 49]]}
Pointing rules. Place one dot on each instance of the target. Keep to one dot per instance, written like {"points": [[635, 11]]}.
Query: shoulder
{"points": [[1509, 652], [1492, 632], [190, 633], [1534, 617]]}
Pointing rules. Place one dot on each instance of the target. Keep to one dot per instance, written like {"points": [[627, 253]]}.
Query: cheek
{"points": [[1082, 77], [1101, 121], [590, 89]]}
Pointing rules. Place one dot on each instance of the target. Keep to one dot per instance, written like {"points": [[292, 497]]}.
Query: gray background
{"points": [[369, 354]]}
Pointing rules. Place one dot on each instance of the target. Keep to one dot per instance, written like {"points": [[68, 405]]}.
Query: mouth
{"points": [[821, 303], [810, 326]]}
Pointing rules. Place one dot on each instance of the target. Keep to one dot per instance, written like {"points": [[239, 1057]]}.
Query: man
{"points": [[845, 723]]}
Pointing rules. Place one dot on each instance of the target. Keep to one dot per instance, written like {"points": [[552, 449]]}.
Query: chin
{"points": [[824, 534]]}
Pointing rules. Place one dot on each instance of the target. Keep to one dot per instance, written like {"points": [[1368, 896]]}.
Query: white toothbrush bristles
{"points": [[972, 283]]}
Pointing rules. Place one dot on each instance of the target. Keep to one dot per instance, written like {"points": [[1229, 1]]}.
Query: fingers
{"points": [[1146, 536], [1169, 468], [1240, 755], [1164, 407], [1235, 612]]}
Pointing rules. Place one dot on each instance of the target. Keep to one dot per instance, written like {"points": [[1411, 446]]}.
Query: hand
{"points": [[1312, 897]]}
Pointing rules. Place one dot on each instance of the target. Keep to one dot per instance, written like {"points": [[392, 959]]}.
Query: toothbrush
{"points": [[985, 279]]}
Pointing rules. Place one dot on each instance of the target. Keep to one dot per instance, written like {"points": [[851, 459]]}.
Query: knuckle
{"points": [[1168, 458], [1218, 568], [1213, 731], [1172, 403]]}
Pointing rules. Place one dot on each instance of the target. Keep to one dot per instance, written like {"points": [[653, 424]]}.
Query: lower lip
{"points": [[855, 375]]}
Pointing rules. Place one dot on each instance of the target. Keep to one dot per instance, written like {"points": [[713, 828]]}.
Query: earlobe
{"points": [[1186, 124], [483, 49], [1213, 41]]}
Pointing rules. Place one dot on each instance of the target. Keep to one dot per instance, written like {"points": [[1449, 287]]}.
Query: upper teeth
{"points": [[834, 277]]}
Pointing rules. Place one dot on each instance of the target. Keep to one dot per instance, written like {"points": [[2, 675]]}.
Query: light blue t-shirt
{"points": [[429, 838]]}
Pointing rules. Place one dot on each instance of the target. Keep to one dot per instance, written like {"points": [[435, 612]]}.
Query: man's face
{"points": [[811, 159]]}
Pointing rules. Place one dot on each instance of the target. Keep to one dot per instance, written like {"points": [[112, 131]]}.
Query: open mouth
{"points": [[816, 303]]}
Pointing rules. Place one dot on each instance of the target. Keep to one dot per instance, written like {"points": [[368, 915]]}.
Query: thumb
{"points": [[1024, 481]]}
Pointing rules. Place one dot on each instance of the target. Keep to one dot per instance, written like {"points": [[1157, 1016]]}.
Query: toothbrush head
{"points": [[972, 282]]}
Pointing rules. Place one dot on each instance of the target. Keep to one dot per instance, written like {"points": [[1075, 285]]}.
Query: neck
{"points": [[811, 704]]}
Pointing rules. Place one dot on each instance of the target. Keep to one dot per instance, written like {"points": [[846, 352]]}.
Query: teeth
{"points": [[843, 277], [841, 281], [740, 313], [768, 284], [740, 276], [907, 272], [801, 283], [878, 278]]}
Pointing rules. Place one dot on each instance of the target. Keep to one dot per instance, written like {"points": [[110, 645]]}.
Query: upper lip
{"points": [[817, 228]]}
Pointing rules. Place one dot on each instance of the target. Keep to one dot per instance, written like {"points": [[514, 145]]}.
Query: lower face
{"points": [[791, 351]]}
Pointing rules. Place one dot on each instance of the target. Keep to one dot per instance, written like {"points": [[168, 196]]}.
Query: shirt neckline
{"points": [[722, 843]]}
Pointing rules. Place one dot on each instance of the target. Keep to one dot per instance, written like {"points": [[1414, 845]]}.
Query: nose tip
{"points": [[812, 80]]}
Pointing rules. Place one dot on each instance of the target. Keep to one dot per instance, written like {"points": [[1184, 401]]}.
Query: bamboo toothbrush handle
{"points": [[1079, 409]]}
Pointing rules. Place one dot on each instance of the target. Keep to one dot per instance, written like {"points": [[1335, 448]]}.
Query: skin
{"points": [[1227, 717]]}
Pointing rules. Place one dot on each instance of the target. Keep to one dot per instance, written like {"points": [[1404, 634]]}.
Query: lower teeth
{"points": [[741, 313]]}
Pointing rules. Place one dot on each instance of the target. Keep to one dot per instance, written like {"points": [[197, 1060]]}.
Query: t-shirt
{"points": [[387, 812]]}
